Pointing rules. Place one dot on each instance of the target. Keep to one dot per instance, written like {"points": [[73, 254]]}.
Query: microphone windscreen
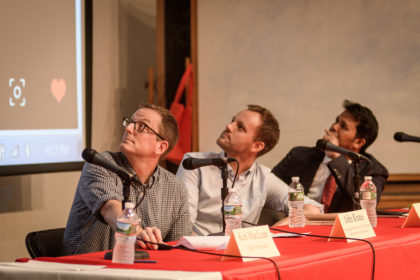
{"points": [[398, 136], [187, 163], [88, 154], [321, 144]]}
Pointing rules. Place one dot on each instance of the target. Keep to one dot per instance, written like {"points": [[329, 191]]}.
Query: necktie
{"points": [[328, 193]]}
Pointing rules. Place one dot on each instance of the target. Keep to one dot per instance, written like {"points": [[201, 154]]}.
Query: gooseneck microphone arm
{"points": [[223, 192], [92, 156], [324, 145], [356, 182], [221, 163]]}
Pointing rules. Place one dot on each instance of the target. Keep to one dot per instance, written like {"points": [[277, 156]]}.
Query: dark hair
{"points": [[367, 126], [168, 128], [269, 131]]}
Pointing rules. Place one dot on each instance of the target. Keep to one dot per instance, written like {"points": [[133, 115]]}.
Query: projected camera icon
{"points": [[17, 98]]}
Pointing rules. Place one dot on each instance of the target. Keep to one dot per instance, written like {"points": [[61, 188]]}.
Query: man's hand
{"points": [[151, 234], [311, 209], [110, 211], [282, 222], [308, 209], [331, 136]]}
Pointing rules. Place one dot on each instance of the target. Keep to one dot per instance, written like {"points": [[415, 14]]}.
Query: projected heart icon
{"points": [[58, 89]]}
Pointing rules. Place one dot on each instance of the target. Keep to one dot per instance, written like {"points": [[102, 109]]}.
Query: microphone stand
{"points": [[224, 191], [356, 182], [127, 180], [126, 188]]}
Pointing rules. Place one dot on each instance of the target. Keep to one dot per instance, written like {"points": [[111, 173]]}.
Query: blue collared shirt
{"points": [[257, 187]]}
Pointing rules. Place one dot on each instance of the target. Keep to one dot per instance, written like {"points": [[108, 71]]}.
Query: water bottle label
{"points": [[296, 196], [233, 209], [367, 195], [127, 229]]}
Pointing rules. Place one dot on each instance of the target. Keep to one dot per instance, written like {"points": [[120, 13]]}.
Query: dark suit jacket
{"points": [[304, 162]]}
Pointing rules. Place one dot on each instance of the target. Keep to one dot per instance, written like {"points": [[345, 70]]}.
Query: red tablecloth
{"points": [[397, 257]]}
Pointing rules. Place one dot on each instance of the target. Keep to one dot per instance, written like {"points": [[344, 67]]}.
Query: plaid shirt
{"points": [[165, 206]]}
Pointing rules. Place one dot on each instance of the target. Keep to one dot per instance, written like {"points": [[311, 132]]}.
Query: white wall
{"points": [[289, 50], [301, 59], [124, 46]]}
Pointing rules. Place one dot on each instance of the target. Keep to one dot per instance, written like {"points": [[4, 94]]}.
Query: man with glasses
{"points": [[161, 199]]}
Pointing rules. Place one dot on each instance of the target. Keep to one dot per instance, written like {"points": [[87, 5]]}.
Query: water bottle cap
{"points": [[295, 179], [368, 178], [129, 205]]}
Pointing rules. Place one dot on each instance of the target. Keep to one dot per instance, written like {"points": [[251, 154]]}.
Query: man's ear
{"points": [[161, 147], [358, 143], [258, 146]]}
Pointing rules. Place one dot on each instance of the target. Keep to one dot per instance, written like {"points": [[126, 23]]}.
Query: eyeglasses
{"points": [[140, 126]]}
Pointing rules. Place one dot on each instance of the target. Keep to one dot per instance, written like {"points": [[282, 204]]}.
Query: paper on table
{"points": [[213, 242], [53, 265], [274, 235], [204, 242], [327, 219]]}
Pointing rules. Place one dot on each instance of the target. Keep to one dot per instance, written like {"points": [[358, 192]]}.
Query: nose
{"points": [[229, 126], [334, 127], [130, 128]]}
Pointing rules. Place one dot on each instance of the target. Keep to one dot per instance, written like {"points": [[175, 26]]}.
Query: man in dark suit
{"points": [[329, 177]]}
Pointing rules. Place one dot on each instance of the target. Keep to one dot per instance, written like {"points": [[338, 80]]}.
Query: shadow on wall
{"points": [[137, 52], [16, 194]]}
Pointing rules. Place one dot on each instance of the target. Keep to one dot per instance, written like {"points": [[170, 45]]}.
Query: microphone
{"points": [[324, 145], [92, 156], [402, 137], [193, 163]]}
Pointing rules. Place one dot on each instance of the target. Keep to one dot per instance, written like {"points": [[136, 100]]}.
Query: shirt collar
{"points": [[152, 179], [232, 171], [326, 159]]}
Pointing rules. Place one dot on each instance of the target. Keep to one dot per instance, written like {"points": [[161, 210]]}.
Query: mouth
{"points": [[225, 134], [126, 140]]}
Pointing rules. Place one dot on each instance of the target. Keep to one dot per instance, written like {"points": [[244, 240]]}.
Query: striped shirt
{"points": [[165, 206]]}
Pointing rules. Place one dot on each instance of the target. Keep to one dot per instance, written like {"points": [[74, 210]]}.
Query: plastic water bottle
{"points": [[125, 235], [368, 199], [233, 211], [296, 215]]}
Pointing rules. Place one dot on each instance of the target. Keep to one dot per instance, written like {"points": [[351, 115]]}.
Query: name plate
{"points": [[251, 242], [354, 224], [413, 219]]}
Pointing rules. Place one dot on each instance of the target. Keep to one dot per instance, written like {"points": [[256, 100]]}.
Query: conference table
{"points": [[397, 256]]}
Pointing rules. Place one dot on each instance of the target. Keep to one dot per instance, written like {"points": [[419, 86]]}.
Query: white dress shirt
{"points": [[257, 187], [318, 183]]}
